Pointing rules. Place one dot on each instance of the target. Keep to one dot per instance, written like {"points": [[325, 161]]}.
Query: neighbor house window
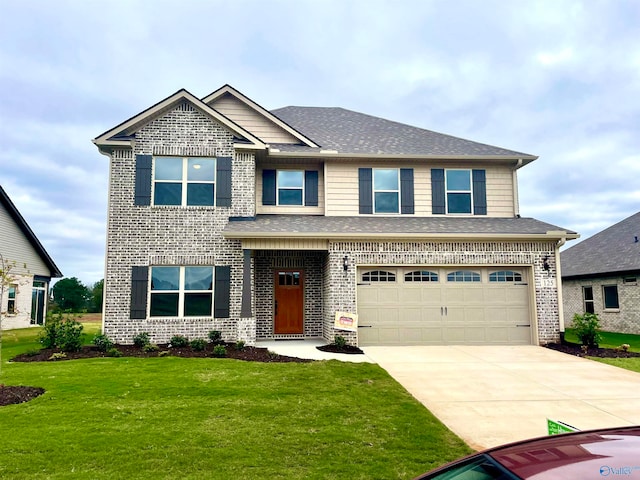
{"points": [[458, 185], [181, 291], [11, 304], [421, 276], [38, 304], [505, 276], [290, 185], [463, 276], [184, 181], [587, 297], [386, 190], [610, 295]]}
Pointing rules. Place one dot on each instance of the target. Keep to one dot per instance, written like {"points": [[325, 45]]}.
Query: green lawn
{"points": [[167, 418], [610, 339], [632, 364]]}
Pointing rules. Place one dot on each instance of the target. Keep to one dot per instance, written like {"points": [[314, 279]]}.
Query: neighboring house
{"points": [[600, 275], [226, 216], [28, 270]]}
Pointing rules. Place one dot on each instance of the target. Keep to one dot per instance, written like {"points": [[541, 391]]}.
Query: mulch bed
{"points": [[576, 349], [347, 349], [10, 395]]}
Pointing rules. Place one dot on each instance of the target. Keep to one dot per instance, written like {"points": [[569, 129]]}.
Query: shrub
{"points": [[198, 344], [272, 355], [141, 339], [150, 347], [239, 346], [58, 356], [102, 342], [587, 328], [63, 332], [219, 351], [339, 341], [32, 352], [215, 336], [164, 353], [179, 341], [114, 352]]}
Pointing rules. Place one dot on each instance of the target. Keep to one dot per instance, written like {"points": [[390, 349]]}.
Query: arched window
{"points": [[378, 276], [505, 276], [463, 276], [421, 276]]}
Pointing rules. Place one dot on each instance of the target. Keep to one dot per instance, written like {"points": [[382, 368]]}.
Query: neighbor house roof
{"points": [[28, 233], [264, 226], [613, 250], [348, 132]]}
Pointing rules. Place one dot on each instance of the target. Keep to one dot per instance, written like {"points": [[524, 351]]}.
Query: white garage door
{"points": [[443, 306]]}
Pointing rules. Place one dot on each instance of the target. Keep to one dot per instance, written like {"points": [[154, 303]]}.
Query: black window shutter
{"points": [[143, 180], [479, 192], [139, 282], [311, 188], [406, 191], [223, 182], [268, 187], [222, 292], [437, 191], [365, 189]]}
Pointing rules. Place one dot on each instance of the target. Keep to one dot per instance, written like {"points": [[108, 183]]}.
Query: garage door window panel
{"points": [[505, 276], [421, 276], [379, 276], [463, 276]]}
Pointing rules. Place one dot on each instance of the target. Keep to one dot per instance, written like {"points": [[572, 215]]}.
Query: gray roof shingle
{"points": [[351, 132], [613, 250], [321, 226]]}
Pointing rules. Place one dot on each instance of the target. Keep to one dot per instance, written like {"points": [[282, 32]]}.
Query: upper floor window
{"points": [[458, 191], [505, 276], [463, 276], [181, 291], [386, 190], [290, 187], [184, 181], [610, 295]]}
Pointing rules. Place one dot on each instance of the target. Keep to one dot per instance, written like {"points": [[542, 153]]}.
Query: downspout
{"points": [[561, 242], [516, 201]]}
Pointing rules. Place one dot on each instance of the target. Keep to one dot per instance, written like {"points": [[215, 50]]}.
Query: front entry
{"points": [[288, 306]]}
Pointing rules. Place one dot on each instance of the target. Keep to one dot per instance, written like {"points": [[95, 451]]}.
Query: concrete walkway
{"points": [[493, 395]]}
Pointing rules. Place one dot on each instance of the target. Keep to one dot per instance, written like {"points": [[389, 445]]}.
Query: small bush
{"points": [[587, 328], [58, 356], [215, 336], [272, 355], [32, 352], [198, 344], [114, 352], [219, 351], [340, 341], [164, 353], [63, 332], [179, 341], [141, 339], [150, 347], [239, 346], [102, 342]]}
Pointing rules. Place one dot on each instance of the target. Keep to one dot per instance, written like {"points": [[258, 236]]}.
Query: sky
{"points": [[555, 78]]}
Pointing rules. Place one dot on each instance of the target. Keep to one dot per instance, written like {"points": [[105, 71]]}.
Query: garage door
{"points": [[443, 306]]}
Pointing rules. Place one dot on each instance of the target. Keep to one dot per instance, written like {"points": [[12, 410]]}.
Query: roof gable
{"points": [[122, 134], [21, 223], [615, 249], [260, 117]]}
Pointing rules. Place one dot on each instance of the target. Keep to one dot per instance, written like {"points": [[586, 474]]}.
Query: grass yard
{"points": [[167, 418], [610, 339], [632, 364]]}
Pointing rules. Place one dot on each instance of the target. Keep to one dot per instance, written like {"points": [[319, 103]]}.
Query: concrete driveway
{"points": [[493, 395]]}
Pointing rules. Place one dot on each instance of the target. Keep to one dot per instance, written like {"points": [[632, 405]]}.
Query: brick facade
{"points": [[164, 235], [626, 319]]}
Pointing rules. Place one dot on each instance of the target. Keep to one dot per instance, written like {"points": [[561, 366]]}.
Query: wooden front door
{"points": [[288, 308]]}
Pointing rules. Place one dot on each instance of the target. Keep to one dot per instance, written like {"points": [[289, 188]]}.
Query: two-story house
{"points": [[264, 224]]}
